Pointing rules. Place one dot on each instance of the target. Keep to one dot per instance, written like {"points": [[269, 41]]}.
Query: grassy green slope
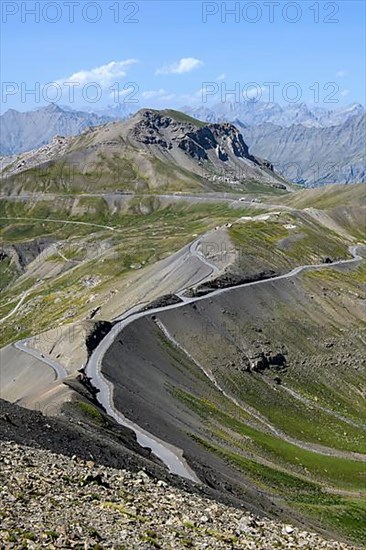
{"points": [[141, 233]]}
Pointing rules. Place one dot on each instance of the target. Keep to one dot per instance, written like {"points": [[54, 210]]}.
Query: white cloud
{"points": [[221, 77], [161, 95], [341, 73], [103, 75], [344, 93], [184, 65]]}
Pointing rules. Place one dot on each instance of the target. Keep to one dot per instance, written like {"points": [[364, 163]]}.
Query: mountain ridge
{"points": [[313, 156], [253, 113], [152, 150], [332, 150], [288, 136], [24, 131]]}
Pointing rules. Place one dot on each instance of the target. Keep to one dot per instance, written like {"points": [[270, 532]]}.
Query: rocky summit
{"points": [[153, 150]]}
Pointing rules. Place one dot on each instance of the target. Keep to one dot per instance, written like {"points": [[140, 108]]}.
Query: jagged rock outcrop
{"points": [[95, 334], [194, 138], [263, 361]]}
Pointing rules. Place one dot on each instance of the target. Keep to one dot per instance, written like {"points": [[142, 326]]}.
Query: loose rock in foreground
{"points": [[52, 501]]}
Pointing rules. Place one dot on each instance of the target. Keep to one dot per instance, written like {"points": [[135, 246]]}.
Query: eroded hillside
{"points": [[269, 379]]}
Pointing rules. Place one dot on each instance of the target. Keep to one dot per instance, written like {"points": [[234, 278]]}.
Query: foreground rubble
{"points": [[52, 501]]}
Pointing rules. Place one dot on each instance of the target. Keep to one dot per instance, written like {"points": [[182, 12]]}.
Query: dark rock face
{"points": [[147, 131], [96, 335], [227, 280], [233, 138], [166, 300], [278, 359], [222, 154], [110, 445], [260, 363], [157, 128], [28, 251], [276, 185], [263, 361], [204, 137], [154, 140], [192, 148]]}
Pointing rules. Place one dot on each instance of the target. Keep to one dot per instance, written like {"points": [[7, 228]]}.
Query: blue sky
{"points": [[171, 50]]}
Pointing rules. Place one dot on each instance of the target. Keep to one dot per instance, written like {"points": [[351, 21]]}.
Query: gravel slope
{"points": [[50, 501]]}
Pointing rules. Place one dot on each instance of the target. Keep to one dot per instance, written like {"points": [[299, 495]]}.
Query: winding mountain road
{"points": [[171, 456], [17, 306], [59, 370]]}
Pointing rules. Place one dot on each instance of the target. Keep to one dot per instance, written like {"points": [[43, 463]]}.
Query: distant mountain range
{"points": [[308, 145], [254, 113], [313, 156], [26, 131]]}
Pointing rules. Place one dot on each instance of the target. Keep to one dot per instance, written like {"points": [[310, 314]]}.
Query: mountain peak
{"points": [[36, 128], [178, 147], [11, 112], [52, 108]]}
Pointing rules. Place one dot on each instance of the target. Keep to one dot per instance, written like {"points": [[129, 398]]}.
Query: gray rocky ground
{"points": [[52, 501]]}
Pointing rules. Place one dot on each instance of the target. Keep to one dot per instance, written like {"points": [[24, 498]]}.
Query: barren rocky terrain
{"points": [[50, 501]]}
